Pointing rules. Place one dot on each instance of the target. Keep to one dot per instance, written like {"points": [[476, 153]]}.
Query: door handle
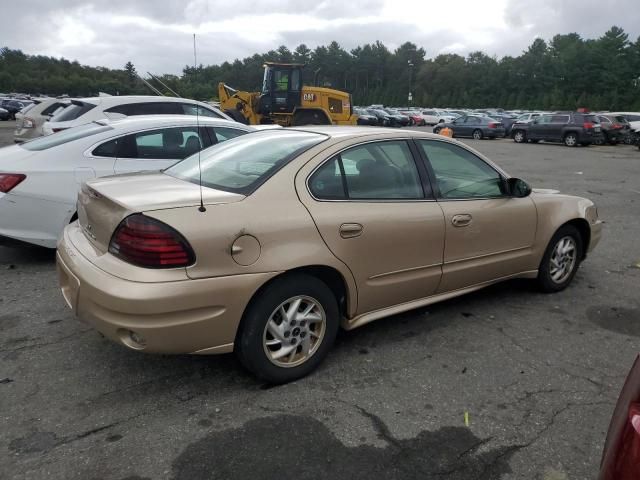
{"points": [[461, 220], [350, 230]]}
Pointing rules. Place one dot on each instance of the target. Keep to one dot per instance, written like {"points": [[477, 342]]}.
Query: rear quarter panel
{"points": [[273, 215]]}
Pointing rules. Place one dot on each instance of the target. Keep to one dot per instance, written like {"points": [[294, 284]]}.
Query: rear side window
{"points": [[73, 111], [375, 171], [222, 134], [190, 109], [65, 136]]}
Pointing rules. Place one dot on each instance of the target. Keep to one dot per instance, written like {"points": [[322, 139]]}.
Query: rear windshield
{"points": [[73, 111], [65, 136], [242, 164]]}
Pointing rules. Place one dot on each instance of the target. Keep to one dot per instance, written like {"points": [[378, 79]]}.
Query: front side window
{"points": [[459, 174], [163, 143], [559, 119], [243, 164], [544, 119], [375, 171]]}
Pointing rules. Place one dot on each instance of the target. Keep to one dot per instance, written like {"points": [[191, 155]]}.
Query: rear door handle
{"points": [[350, 230], [461, 220]]}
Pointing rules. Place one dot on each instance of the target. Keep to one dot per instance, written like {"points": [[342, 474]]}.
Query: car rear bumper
{"points": [[177, 317]]}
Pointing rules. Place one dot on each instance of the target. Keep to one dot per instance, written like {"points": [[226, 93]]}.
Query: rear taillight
{"points": [[28, 122], [617, 126], [588, 125], [9, 181], [493, 125], [149, 243]]}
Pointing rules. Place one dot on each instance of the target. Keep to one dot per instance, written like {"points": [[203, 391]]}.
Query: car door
{"points": [[488, 234], [470, 124], [374, 209], [158, 148], [537, 127]]}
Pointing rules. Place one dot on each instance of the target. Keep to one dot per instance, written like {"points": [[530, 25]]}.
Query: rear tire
{"points": [[477, 134], [273, 325], [571, 140], [561, 260]]}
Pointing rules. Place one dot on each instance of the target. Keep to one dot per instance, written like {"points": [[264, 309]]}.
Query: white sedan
{"points": [[40, 179]]}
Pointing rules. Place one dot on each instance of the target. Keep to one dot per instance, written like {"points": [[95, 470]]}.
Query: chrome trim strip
{"points": [[405, 270], [359, 320], [487, 255]]}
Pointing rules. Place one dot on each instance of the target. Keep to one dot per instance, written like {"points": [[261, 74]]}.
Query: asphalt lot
{"points": [[538, 374]]}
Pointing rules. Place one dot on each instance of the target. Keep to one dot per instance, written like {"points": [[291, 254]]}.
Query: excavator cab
{"points": [[281, 88]]}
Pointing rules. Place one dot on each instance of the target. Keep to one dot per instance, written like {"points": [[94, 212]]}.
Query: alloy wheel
{"points": [[563, 259], [294, 331]]}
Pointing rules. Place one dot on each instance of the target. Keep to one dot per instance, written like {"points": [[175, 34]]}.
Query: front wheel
{"points": [[477, 134], [519, 136], [288, 329], [561, 260]]}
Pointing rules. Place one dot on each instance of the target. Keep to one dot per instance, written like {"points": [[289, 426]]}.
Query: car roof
{"points": [[150, 121], [345, 132], [123, 99]]}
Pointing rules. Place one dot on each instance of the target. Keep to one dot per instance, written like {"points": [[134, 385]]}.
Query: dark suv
{"points": [[570, 128]]}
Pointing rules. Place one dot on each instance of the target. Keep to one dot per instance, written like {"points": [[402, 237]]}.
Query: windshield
{"points": [[243, 164], [43, 143]]}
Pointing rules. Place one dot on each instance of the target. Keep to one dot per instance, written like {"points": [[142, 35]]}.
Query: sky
{"points": [[157, 35]]}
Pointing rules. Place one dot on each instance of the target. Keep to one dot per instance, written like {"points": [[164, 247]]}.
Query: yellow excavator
{"points": [[285, 101]]}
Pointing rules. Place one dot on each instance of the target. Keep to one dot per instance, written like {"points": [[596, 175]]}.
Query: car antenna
{"points": [[195, 70]]}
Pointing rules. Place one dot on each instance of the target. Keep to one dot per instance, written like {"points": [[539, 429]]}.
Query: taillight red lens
{"points": [[588, 125], [147, 242], [493, 125], [9, 181]]}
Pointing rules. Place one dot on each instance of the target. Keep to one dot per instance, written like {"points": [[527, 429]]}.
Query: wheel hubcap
{"points": [[563, 259], [519, 137], [294, 331], [477, 135], [571, 140]]}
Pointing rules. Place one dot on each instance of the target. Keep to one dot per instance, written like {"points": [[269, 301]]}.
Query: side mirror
{"points": [[518, 188]]}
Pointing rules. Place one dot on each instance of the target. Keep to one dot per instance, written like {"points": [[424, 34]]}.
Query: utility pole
{"points": [[410, 97]]}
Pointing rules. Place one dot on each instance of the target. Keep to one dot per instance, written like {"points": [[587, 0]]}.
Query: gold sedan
{"points": [[266, 244]]}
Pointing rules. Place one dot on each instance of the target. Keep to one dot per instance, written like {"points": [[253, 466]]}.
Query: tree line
{"points": [[565, 72]]}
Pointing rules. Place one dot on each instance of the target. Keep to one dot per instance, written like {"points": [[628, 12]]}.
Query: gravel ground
{"points": [[537, 374]]}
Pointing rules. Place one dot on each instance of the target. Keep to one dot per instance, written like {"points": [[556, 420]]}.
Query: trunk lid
{"points": [[103, 203]]}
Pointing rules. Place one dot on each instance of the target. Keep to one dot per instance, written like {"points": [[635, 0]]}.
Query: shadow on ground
{"points": [[295, 447]]}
